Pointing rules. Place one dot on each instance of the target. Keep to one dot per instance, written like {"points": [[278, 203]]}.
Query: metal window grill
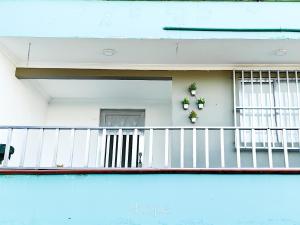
{"points": [[267, 99]]}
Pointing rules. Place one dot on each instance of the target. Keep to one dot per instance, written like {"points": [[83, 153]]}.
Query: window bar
{"points": [[270, 149], [289, 108], [166, 148], [222, 147], [298, 104], [72, 146], [206, 149], [120, 148], [40, 149], [113, 163], [103, 148], [194, 148], [87, 147], [252, 98], [285, 150], [134, 149], [243, 105], [182, 148], [261, 106], [56, 145], [7, 147], [270, 124], [254, 148], [98, 149], [24, 146], [127, 151], [238, 150], [150, 147], [234, 97], [107, 152], [279, 98]]}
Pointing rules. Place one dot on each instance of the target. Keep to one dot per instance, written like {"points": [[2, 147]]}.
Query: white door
{"points": [[130, 153]]}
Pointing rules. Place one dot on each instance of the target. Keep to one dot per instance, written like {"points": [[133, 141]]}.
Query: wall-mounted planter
{"points": [[193, 92], [200, 106], [193, 120], [185, 106]]}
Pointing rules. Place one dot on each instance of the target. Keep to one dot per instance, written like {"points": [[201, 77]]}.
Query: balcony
{"points": [[149, 148]]}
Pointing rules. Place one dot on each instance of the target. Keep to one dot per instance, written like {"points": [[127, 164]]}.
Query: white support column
{"points": [[285, 149], [206, 149], [254, 148], [98, 149], [40, 149], [72, 140], [150, 147], [7, 147], [194, 148], [120, 148], [56, 146], [238, 149], [182, 148], [222, 147], [103, 148], [87, 148], [134, 149], [166, 148], [270, 156], [127, 151], [24, 147]]}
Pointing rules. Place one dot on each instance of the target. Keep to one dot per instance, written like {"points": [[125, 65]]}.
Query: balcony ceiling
{"points": [[148, 53]]}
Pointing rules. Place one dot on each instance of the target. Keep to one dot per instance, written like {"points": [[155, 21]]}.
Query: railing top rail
{"points": [[147, 127]]}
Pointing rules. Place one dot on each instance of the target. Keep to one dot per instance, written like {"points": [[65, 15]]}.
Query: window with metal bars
{"points": [[267, 99]]}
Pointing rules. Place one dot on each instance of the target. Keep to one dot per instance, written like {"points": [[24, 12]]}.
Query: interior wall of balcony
{"points": [[21, 104]]}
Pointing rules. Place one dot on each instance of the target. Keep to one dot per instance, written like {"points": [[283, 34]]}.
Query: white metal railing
{"points": [[146, 147]]}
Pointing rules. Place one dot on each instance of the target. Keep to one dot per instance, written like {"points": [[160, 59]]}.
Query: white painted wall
{"points": [[21, 104]]}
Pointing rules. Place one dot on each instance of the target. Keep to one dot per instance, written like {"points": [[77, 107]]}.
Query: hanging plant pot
{"points": [[193, 119], [185, 103], [193, 92], [201, 106]]}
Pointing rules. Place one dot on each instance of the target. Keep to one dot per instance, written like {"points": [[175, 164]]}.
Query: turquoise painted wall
{"points": [[143, 19], [150, 199]]}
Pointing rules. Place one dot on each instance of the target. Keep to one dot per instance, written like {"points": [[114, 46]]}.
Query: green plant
{"points": [[193, 87], [186, 101], [193, 114], [201, 100]]}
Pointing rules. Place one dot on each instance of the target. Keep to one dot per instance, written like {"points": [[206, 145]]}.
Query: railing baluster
{"points": [[167, 148], [107, 152], [206, 148], [285, 150], [72, 139], [270, 149], [194, 148], [222, 147], [113, 163], [134, 149], [40, 149], [87, 148], [120, 145], [7, 147], [98, 149], [103, 148], [141, 151], [24, 146], [150, 147], [238, 149], [56, 145], [127, 151], [182, 148], [254, 148]]}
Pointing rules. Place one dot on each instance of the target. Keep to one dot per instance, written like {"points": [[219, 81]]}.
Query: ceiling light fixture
{"points": [[109, 52]]}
